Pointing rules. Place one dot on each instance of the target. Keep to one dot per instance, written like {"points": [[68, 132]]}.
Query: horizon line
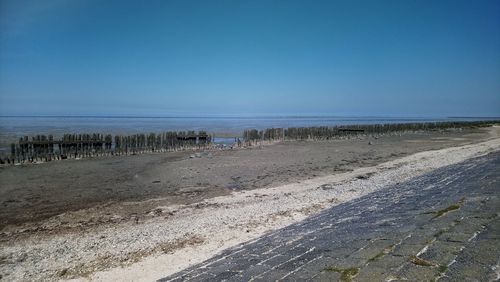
{"points": [[247, 116]]}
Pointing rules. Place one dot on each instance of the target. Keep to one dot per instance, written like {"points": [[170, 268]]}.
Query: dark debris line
{"points": [[441, 226]]}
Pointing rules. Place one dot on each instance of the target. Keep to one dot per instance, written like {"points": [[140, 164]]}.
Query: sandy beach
{"points": [[147, 216]]}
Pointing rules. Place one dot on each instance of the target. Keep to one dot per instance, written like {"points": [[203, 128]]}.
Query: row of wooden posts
{"points": [[335, 132], [46, 148]]}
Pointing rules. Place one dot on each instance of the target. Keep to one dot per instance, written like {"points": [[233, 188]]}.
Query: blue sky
{"points": [[396, 58]]}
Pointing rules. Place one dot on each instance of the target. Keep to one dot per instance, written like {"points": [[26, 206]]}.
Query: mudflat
{"points": [[121, 188]]}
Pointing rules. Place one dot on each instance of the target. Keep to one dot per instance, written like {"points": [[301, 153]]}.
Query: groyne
{"points": [[47, 148], [343, 131]]}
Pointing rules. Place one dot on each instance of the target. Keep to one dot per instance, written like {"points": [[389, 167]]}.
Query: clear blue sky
{"points": [[400, 57]]}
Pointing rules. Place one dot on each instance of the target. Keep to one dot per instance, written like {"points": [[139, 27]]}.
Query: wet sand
{"points": [[115, 189]]}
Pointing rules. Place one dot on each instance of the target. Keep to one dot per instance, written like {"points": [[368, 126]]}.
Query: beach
{"points": [[249, 141], [142, 217]]}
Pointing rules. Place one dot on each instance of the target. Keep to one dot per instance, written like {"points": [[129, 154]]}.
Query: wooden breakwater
{"points": [[345, 131], [47, 148]]}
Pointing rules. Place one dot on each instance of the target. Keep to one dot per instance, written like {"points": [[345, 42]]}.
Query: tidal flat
{"points": [[122, 185]]}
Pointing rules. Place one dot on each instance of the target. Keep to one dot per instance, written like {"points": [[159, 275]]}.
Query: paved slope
{"points": [[443, 225]]}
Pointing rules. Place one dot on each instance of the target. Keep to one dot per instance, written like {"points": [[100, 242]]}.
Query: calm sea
{"points": [[12, 128]]}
